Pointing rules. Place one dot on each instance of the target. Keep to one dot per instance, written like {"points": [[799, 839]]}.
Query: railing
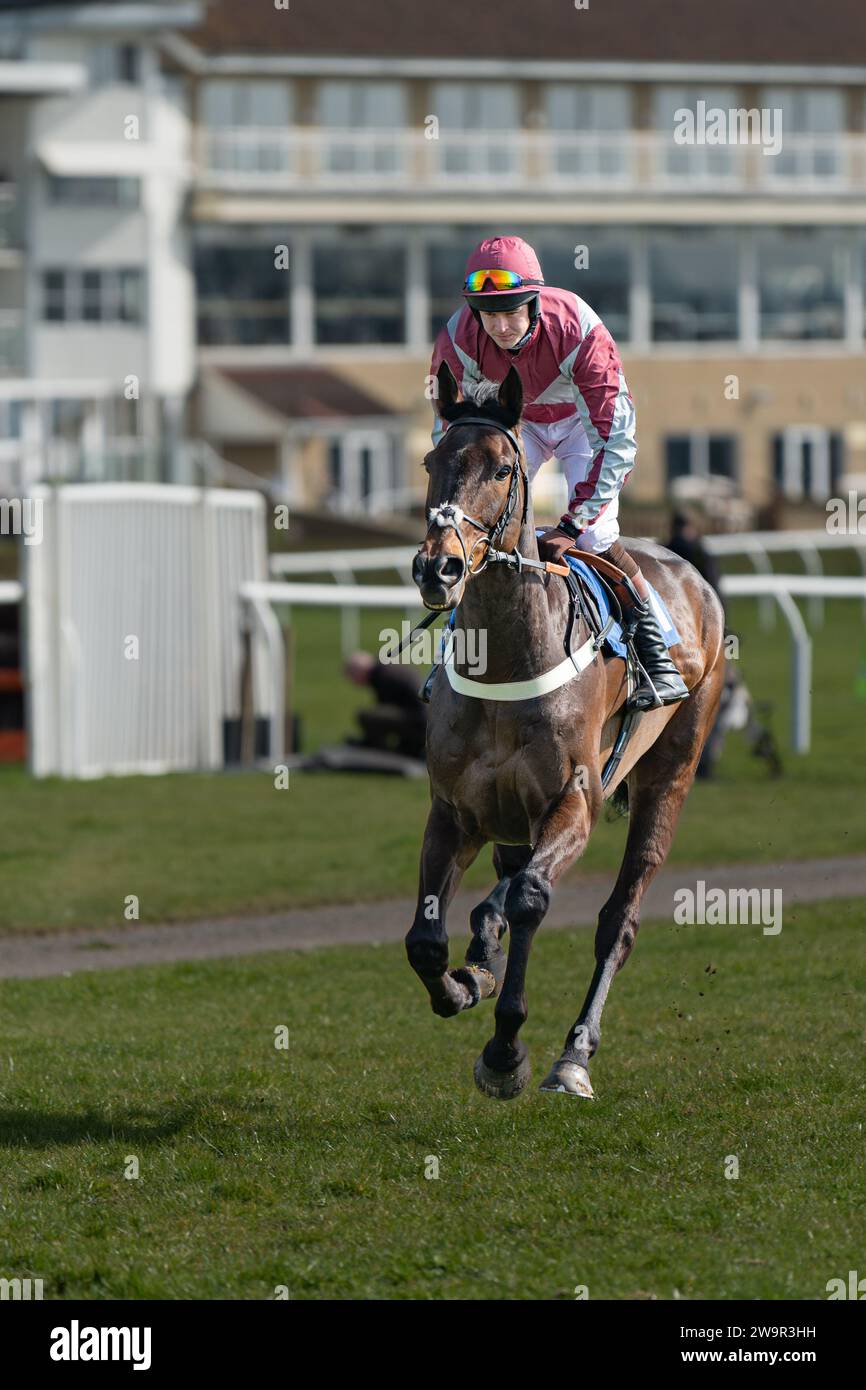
{"points": [[782, 588], [758, 546], [312, 157]]}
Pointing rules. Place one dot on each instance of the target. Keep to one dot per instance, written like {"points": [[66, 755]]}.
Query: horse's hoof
{"points": [[569, 1077], [480, 982], [502, 1085]]}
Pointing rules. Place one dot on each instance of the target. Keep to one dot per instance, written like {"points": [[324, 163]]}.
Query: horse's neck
{"points": [[520, 616]]}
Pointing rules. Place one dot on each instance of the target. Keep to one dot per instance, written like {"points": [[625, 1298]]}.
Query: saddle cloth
{"points": [[613, 643]]}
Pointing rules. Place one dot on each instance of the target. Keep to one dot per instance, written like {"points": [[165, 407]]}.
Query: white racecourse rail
{"points": [[783, 588], [159, 564]]}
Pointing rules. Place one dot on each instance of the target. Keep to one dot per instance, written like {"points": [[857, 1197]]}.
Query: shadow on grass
{"points": [[38, 1129]]}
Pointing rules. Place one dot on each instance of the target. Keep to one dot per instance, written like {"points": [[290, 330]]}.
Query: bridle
{"points": [[448, 516]]}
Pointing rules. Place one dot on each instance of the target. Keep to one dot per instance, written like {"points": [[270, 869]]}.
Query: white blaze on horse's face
{"points": [[440, 570]]}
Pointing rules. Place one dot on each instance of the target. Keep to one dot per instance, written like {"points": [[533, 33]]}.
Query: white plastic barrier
{"points": [[133, 631]]}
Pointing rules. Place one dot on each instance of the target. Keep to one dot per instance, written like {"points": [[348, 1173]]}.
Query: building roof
{"points": [[678, 31], [306, 393]]}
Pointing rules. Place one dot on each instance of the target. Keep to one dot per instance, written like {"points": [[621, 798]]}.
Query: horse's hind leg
{"points": [[446, 854], [502, 1070], [658, 786], [488, 921]]}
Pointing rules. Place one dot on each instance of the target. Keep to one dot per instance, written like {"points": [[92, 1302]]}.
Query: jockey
{"points": [[578, 408]]}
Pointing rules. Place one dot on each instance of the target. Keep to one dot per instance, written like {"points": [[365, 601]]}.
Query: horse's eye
{"points": [[502, 473]]}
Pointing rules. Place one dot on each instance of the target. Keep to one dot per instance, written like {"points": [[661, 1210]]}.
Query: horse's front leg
{"points": [[503, 1069], [658, 787], [446, 854]]}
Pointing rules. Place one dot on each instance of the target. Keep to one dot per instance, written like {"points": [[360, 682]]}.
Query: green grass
{"points": [[305, 1167], [190, 846]]}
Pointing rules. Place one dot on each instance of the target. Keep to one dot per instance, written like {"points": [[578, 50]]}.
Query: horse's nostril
{"points": [[449, 569], [419, 569]]}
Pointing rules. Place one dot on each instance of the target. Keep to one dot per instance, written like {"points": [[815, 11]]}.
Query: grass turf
{"points": [[191, 846], [305, 1167]]}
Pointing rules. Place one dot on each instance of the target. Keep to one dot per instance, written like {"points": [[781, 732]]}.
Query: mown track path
{"points": [[575, 904]]}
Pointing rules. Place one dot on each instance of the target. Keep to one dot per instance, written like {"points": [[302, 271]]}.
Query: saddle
{"points": [[555, 545]]}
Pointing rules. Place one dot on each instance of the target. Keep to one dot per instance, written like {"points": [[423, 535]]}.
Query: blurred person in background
{"points": [[577, 409], [397, 723]]}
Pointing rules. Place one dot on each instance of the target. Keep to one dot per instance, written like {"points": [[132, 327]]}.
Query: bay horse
{"points": [[525, 773]]}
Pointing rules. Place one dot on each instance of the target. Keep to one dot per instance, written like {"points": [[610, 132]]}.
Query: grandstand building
{"points": [[273, 254]]}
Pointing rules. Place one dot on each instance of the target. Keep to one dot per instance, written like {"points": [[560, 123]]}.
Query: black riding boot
{"points": [[662, 684]]}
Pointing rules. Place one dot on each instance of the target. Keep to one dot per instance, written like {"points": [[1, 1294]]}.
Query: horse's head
{"points": [[477, 497]]}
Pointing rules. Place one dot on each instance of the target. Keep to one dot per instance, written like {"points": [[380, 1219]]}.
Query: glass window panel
{"points": [[801, 278], [54, 296], [694, 285], [360, 292], [130, 297], [722, 454], [678, 457], [694, 160], [603, 283], [217, 104], [242, 297], [268, 103], [91, 296], [807, 111]]}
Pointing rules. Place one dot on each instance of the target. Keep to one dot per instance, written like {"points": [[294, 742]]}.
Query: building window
{"points": [[110, 63], [370, 118], [701, 455], [813, 119], [694, 285], [446, 267], [807, 463], [603, 281], [696, 161], [591, 129], [246, 126], [242, 297], [93, 192], [477, 126], [93, 296], [360, 292], [801, 277]]}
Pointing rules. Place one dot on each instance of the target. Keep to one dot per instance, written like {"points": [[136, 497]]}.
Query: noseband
{"points": [[450, 516]]}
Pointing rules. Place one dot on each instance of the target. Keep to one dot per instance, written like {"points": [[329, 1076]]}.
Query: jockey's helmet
{"points": [[502, 273]]}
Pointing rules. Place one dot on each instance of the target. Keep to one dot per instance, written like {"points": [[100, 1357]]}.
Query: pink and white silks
{"points": [[577, 404]]}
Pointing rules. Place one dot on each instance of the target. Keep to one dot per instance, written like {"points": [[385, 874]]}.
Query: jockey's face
{"points": [[506, 329]]}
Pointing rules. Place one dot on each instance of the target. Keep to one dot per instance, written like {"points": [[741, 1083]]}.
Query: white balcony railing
{"points": [[313, 159]]}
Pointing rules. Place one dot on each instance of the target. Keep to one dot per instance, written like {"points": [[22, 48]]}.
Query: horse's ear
{"points": [[511, 395], [449, 391]]}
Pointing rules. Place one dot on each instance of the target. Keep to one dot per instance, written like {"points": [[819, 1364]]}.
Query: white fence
{"points": [[344, 565], [133, 631], [781, 588]]}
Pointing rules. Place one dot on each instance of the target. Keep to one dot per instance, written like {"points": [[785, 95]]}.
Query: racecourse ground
{"points": [[305, 1167], [205, 846]]}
